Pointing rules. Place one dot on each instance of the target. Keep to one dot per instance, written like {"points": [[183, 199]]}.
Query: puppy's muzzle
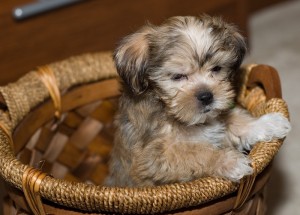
{"points": [[205, 98]]}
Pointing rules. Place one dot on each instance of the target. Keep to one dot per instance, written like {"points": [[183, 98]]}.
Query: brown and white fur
{"points": [[175, 122]]}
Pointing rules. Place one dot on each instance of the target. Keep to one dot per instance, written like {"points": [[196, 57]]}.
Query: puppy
{"points": [[175, 121]]}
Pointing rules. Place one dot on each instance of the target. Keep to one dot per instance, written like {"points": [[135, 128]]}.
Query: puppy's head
{"points": [[187, 62]]}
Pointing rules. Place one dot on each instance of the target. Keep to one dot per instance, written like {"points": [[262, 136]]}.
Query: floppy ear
{"points": [[240, 48], [231, 36], [131, 59]]}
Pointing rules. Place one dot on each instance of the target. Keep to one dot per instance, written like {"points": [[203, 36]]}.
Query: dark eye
{"points": [[216, 69], [178, 77]]}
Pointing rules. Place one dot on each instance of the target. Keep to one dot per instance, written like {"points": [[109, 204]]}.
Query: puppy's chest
{"points": [[213, 133]]}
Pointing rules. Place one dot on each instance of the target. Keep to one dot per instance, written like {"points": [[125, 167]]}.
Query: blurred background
{"points": [[271, 26], [275, 40]]}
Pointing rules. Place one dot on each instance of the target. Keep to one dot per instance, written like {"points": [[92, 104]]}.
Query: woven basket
{"points": [[56, 134]]}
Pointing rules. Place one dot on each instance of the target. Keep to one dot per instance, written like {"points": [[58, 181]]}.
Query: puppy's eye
{"points": [[178, 77], [216, 69]]}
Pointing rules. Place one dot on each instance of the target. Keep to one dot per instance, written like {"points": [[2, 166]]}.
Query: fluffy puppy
{"points": [[175, 121]]}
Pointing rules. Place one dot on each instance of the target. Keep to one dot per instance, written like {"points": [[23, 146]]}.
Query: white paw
{"points": [[270, 126], [266, 128], [234, 166]]}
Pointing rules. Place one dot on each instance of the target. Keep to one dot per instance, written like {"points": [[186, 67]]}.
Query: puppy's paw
{"points": [[267, 127], [234, 165], [277, 126], [270, 126]]}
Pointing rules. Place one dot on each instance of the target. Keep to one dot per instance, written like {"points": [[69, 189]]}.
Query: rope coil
{"points": [[6, 131]]}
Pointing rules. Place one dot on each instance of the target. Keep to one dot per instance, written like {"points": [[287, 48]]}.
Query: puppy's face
{"points": [[187, 62]]}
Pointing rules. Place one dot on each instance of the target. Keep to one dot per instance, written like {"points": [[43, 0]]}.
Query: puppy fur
{"points": [[175, 121]]}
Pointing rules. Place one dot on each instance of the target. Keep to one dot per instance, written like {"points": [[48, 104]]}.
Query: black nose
{"points": [[205, 97]]}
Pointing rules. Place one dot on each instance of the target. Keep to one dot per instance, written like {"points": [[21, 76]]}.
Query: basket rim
{"points": [[89, 197]]}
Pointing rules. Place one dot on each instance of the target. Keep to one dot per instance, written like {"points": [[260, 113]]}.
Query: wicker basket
{"points": [[56, 134]]}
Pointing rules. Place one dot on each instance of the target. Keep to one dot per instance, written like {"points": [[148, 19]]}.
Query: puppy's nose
{"points": [[205, 97]]}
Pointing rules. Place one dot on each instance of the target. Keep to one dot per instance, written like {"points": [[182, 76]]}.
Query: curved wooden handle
{"points": [[267, 77]]}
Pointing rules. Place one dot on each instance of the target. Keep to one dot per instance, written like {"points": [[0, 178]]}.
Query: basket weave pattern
{"points": [[74, 149]]}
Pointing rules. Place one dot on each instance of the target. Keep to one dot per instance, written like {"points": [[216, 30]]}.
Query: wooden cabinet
{"points": [[90, 26]]}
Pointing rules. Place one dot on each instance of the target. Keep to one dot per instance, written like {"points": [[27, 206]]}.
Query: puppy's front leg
{"points": [[164, 162], [244, 130]]}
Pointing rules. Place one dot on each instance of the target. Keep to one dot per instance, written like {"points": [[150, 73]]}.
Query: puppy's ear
{"points": [[233, 40], [240, 48], [131, 58]]}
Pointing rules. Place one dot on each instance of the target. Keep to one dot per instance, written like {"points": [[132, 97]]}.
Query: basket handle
{"points": [[267, 78]]}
